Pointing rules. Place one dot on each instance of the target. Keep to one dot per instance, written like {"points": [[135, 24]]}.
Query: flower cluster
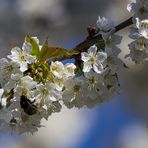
{"points": [[139, 47], [34, 84], [30, 90], [99, 67]]}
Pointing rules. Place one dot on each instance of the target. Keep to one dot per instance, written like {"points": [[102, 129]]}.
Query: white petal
{"points": [[57, 68], [31, 85], [28, 82], [3, 63], [27, 47], [23, 66], [138, 23], [55, 95], [87, 67], [92, 50], [16, 51], [130, 7], [84, 56], [1, 92], [98, 68], [30, 59], [101, 56], [70, 69], [105, 24], [16, 76], [70, 65]]}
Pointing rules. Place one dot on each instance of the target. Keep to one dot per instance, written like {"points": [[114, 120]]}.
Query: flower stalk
{"points": [[89, 41]]}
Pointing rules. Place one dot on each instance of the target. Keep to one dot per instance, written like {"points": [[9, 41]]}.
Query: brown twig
{"points": [[89, 41]]}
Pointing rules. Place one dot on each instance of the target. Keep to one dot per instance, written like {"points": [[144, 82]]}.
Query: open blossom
{"points": [[57, 69], [105, 24], [139, 47], [142, 26], [139, 50], [13, 80], [21, 57], [69, 70], [93, 84], [93, 60], [93, 79], [47, 93], [24, 86], [6, 69], [138, 8], [73, 93]]}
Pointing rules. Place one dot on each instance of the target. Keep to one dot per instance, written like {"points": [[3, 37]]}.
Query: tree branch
{"points": [[89, 41]]}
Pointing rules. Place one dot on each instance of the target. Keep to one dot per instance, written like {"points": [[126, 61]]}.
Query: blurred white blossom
{"points": [[105, 24]]}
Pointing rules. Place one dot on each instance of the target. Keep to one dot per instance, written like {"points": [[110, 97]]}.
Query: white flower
{"points": [[138, 8], [138, 56], [113, 61], [93, 60], [140, 44], [69, 69], [142, 27], [68, 72], [115, 64], [47, 93], [73, 94], [6, 69], [138, 51], [57, 68], [98, 88], [139, 47], [93, 79], [28, 82], [24, 86], [13, 81], [112, 85], [105, 24], [21, 57]]}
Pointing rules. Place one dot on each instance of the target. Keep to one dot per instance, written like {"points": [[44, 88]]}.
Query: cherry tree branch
{"points": [[91, 40]]}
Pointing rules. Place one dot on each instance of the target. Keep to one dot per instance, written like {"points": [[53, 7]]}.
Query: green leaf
{"points": [[35, 46], [43, 52], [56, 52], [52, 52]]}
